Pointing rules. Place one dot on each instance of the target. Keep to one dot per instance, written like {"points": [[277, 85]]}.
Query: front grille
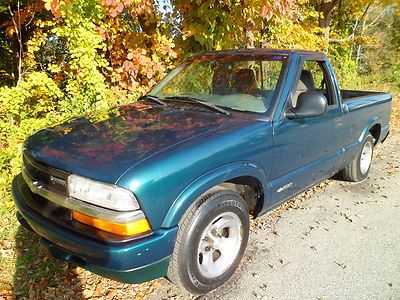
{"points": [[51, 179]]}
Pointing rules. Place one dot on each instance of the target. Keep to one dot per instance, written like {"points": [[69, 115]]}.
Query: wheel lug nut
{"points": [[207, 249]]}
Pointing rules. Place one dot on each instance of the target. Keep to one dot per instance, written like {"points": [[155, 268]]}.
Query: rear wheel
{"points": [[358, 169], [211, 241]]}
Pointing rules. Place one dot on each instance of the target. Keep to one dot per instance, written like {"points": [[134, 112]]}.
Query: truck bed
{"points": [[352, 94]]}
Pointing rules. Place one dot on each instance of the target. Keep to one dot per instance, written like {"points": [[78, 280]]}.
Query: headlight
{"points": [[101, 194]]}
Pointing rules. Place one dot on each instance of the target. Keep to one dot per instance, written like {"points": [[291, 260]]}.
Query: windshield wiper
{"points": [[201, 102], [153, 98]]}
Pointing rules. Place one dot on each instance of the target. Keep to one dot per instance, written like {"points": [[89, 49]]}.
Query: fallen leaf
{"points": [[42, 285]]}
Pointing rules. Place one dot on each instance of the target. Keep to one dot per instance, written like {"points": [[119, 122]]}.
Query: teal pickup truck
{"points": [[165, 186]]}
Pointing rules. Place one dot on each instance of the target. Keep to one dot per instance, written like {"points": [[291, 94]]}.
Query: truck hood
{"points": [[104, 145]]}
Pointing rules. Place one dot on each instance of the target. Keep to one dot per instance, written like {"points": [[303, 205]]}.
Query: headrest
{"points": [[306, 82], [220, 80], [243, 81]]}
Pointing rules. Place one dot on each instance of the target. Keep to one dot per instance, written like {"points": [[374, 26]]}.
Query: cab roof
{"points": [[259, 51]]}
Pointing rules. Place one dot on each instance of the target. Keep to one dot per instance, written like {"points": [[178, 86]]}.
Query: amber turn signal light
{"points": [[126, 229]]}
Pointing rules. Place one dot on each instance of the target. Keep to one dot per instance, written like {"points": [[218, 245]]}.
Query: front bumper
{"points": [[131, 262]]}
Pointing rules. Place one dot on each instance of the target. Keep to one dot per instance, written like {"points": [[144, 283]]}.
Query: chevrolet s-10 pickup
{"points": [[165, 186]]}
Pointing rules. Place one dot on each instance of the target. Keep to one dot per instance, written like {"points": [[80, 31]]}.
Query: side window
{"points": [[313, 77]]}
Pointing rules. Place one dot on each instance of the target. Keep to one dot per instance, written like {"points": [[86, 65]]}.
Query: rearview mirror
{"points": [[309, 105]]}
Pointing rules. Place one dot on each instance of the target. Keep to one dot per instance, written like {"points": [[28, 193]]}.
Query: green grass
{"points": [[8, 230], [23, 264]]}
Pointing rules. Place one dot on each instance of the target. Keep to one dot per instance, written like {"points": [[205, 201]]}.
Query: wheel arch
{"points": [[235, 174], [375, 130], [372, 127]]}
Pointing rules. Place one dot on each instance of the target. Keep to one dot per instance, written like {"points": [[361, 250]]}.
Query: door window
{"points": [[313, 77]]}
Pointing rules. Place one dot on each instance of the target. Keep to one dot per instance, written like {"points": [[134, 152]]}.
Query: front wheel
{"points": [[358, 169], [211, 241]]}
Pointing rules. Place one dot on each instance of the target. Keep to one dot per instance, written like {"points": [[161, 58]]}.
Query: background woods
{"points": [[60, 58]]}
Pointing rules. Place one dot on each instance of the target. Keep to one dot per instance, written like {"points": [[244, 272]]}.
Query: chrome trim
{"points": [[45, 169], [83, 207]]}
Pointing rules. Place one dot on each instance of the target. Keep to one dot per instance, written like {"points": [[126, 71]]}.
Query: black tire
{"points": [[354, 171], [186, 268]]}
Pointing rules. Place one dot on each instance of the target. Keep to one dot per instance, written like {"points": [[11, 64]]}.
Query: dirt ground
{"points": [[343, 242]]}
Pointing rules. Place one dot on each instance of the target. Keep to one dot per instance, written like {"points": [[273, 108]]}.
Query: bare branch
{"points": [[353, 34], [376, 19], [30, 21], [174, 25]]}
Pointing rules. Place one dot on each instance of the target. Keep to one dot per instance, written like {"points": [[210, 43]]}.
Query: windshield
{"points": [[238, 82]]}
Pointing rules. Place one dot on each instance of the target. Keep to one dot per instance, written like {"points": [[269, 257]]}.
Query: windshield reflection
{"points": [[237, 82]]}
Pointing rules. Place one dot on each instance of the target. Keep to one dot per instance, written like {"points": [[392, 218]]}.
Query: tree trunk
{"points": [[325, 10], [359, 48], [249, 39], [18, 33]]}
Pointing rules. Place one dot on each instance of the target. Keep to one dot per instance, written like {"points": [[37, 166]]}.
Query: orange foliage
{"points": [[54, 6], [139, 58]]}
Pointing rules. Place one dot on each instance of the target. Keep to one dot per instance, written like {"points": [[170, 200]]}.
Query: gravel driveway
{"points": [[341, 241]]}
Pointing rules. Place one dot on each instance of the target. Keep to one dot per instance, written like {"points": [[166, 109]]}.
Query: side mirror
{"points": [[309, 105]]}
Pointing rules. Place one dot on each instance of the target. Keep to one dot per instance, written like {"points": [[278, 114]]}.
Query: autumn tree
{"points": [[16, 28], [140, 48], [216, 25]]}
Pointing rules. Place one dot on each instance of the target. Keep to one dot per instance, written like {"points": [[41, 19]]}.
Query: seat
{"points": [[220, 80], [243, 81], [306, 83]]}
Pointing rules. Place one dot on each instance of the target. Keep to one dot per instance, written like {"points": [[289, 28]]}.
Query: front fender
{"points": [[209, 180]]}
